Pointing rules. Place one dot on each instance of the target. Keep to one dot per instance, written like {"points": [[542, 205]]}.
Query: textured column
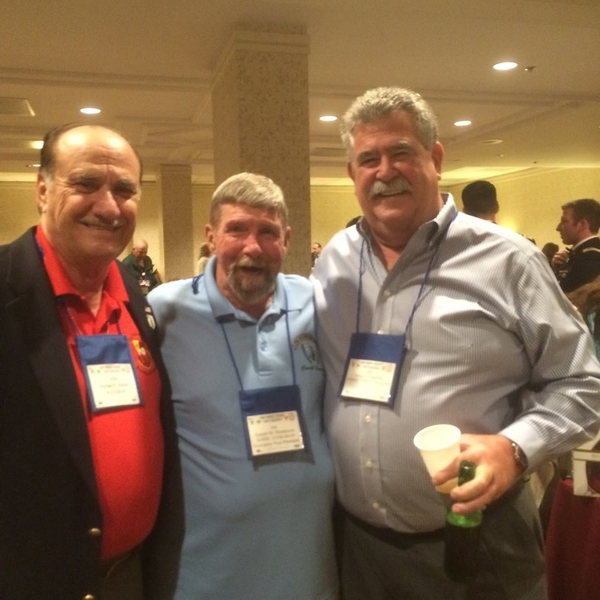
{"points": [[260, 122], [175, 182]]}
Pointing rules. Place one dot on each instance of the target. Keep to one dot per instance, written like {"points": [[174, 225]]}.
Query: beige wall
{"points": [[18, 210], [529, 203], [331, 208]]}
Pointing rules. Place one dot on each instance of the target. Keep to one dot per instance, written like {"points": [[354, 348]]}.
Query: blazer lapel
{"points": [[34, 307]]}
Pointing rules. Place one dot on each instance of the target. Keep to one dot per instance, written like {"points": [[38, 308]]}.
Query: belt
{"points": [[403, 540], [390, 536], [111, 567]]}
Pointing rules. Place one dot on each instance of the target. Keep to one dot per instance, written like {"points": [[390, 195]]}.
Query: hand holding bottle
{"points": [[497, 472]]}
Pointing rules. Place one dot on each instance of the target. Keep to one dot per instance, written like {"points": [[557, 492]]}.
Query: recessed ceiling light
{"points": [[34, 166], [90, 110], [328, 118], [505, 66], [462, 123], [37, 144]]}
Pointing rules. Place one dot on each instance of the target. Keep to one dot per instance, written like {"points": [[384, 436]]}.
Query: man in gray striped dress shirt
{"points": [[428, 315]]}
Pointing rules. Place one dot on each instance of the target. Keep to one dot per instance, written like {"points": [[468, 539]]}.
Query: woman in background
{"points": [[203, 257], [587, 301]]}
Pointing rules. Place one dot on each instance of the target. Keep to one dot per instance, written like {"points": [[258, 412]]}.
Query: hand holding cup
{"points": [[439, 445]]}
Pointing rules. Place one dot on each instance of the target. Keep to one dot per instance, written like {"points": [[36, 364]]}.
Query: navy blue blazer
{"points": [[48, 496], [582, 267]]}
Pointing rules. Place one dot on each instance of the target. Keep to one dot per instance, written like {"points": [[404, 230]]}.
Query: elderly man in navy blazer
{"points": [[85, 432]]}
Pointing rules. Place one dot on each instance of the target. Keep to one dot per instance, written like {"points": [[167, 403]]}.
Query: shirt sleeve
{"points": [[560, 406]]}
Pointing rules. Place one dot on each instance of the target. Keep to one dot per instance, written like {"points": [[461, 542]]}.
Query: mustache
{"points": [[396, 186], [254, 263]]}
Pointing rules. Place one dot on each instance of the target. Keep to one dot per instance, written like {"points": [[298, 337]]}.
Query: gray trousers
{"points": [[380, 564]]}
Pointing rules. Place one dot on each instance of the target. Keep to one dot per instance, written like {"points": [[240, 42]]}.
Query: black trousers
{"points": [[380, 564]]}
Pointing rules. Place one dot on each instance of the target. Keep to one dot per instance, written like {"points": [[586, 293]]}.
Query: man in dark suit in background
{"points": [[579, 226], [85, 432]]}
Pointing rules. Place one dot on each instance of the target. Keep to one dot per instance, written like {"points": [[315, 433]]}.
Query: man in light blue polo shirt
{"points": [[247, 378]]}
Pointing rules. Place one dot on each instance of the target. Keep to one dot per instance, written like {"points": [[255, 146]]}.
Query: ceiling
{"points": [[148, 65]]}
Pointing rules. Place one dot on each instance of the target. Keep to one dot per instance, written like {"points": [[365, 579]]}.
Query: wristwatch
{"points": [[519, 456]]}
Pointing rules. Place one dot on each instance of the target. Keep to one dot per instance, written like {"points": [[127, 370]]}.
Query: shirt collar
{"points": [[583, 241], [444, 218]]}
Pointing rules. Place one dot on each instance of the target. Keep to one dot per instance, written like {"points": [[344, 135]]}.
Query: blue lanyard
{"points": [[287, 326], [361, 271], [73, 326]]}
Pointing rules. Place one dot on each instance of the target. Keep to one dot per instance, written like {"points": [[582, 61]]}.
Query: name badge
{"points": [[113, 386], [275, 432], [373, 366], [109, 371], [273, 420]]}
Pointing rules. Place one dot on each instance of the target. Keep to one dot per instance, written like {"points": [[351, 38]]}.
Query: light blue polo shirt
{"points": [[255, 529]]}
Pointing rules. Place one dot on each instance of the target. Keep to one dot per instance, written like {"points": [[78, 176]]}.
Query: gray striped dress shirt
{"points": [[494, 347]]}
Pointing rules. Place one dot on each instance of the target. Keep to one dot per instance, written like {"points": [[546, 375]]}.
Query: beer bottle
{"points": [[461, 552]]}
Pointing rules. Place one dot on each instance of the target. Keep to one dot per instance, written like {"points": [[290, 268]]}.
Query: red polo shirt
{"points": [[127, 443]]}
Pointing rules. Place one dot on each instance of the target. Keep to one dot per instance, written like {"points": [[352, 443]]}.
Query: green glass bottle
{"points": [[461, 552]]}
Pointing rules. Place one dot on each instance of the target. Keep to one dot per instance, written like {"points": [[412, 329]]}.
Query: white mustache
{"points": [[397, 186]]}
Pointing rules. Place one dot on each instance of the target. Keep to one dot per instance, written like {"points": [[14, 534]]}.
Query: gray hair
{"points": [[252, 190], [379, 103]]}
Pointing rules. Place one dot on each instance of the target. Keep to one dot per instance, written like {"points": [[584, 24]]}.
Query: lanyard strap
{"points": [[287, 327], [361, 271], [62, 305], [421, 289], [75, 331]]}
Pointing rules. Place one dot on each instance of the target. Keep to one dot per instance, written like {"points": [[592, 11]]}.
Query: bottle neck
{"points": [[466, 473]]}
